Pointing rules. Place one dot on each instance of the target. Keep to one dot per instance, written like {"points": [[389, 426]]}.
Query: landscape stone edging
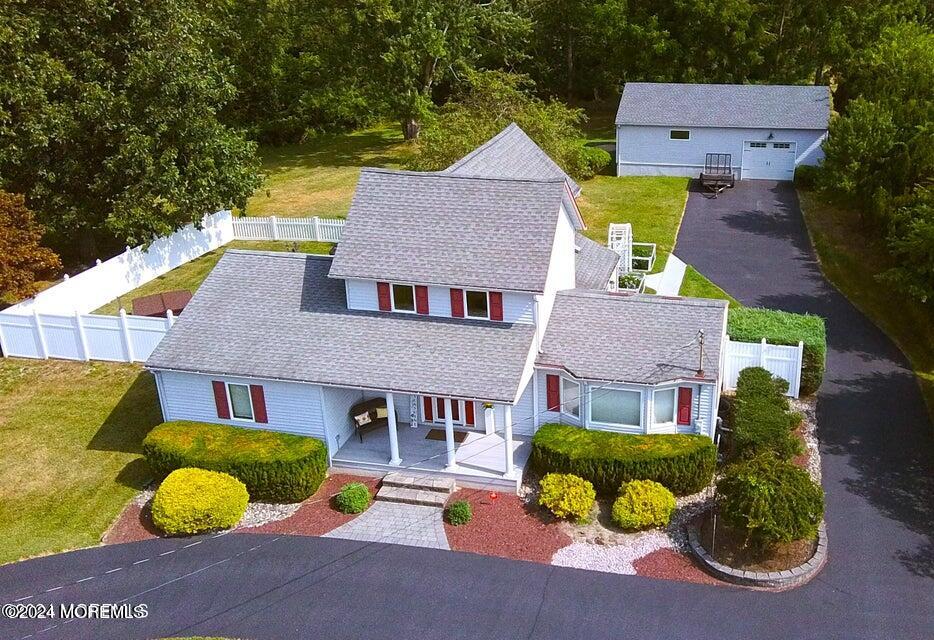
{"points": [[764, 579]]}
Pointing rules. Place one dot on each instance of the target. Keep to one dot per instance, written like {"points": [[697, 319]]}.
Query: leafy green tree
{"points": [[911, 241], [109, 119], [494, 100]]}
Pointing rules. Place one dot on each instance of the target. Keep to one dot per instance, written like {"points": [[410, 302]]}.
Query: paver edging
{"points": [[776, 580]]}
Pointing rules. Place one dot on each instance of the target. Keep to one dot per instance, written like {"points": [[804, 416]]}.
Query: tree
{"points": [[109, 119], [911, 241], [493, 100], [22, 258]]}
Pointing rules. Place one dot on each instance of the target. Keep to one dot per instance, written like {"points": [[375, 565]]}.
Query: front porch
{"points": [[480, 459]]}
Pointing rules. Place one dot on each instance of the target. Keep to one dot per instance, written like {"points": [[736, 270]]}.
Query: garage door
{"points": [[768, 161]]}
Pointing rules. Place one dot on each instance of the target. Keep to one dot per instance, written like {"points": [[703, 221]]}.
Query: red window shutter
{"points": [[382, 293], [468, 413], [259, 403], [426, 403], [552, 385], [684, 405], [457, 303], [220, 399], [496, 305], [440, 402], [421, 300]]}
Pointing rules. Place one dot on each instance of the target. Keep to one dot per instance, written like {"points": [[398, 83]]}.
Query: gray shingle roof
{"points": [[725, 105], [594, 264], [450, 230], [643, 339], [511, 153], [278, 315]]}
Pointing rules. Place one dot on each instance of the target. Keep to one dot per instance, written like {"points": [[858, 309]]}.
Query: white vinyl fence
{"points": [[293, 229], [120, 338], [780, 360]]}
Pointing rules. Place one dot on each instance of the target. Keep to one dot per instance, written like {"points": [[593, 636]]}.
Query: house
{"points": [[668, 128], [470, 303]]}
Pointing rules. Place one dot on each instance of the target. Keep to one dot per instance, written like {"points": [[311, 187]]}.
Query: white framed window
{"points": [[664, 406], [757, 145], [477, 304], [403, 298], [241, 404], [679, 134], [616, 407], [781, 145], [570, 397]]}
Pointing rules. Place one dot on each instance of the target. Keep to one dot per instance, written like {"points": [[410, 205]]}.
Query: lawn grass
{"points": [[317, 178], [70, 433], [191, 274], [851, 259], [695, 285]]}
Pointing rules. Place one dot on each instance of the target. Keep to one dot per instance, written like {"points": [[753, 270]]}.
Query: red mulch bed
{"points": [[668, 564], [316, 516], [505, 527], [132, 525]]}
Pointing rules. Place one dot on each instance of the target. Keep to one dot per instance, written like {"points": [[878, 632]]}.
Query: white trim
{"points": [[249, 395]]}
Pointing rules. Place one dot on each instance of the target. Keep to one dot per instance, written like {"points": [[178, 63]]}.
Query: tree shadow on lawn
{"points": [[367, 148]]}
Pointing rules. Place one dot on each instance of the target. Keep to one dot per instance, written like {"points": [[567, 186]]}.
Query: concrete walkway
{"points": [[397, 523], [668, 282]]}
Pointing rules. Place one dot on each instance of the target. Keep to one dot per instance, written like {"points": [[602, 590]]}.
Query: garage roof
{"points": [[752, 106]]}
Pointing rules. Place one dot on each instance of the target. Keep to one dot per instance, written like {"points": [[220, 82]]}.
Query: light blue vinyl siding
{"points": [[647, 150], [336, 411], [290, 406], [523, 419]]}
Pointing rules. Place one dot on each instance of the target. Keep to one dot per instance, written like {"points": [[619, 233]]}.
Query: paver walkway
{"points": [[397, 523]]}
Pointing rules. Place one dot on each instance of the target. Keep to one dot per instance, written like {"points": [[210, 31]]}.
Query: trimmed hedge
{"points": [[193, 501], [782, 327], [275, 467], [762, 422], [682, 462]]}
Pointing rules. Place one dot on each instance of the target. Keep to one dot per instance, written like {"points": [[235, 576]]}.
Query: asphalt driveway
{"points": [[877, 464]]}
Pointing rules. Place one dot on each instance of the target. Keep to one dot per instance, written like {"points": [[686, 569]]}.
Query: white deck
{"points": [[481, 459]]}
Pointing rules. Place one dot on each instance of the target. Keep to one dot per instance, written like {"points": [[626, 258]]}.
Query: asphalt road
{"points": [[877, 464]]}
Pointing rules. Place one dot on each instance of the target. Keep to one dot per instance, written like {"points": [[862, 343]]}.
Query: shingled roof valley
{"points": [[450, 230], [277, 315], [724, 105], [634, 338]]}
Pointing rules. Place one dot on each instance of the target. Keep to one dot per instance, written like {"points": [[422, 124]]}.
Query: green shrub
{"points": [[682, 462], [593, 161], [762, 422], [567, 496], [806, 176], [354, 497], [771, 500], [459, 512], [193, 501], [277, 467], [642, 504], [781, 327]]}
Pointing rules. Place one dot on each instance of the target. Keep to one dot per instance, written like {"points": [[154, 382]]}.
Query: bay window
{"points": [[664, 406], [616, 407], [570, 397]]}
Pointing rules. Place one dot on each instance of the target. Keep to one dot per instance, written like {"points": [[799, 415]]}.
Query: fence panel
{"points": [[145, 335], [291, 229], [780, 360], [61, 336], [18, 336]]}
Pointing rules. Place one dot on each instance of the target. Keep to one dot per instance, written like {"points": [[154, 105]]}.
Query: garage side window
{"points": [[679, 134]]}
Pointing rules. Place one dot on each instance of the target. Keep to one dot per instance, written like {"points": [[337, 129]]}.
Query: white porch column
{"points": [[393, 434], [507, 436], [489, 421], [449, 435]]}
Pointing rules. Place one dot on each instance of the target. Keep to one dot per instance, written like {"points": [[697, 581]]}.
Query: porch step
{"points": [[411, 496], [420, 483]]}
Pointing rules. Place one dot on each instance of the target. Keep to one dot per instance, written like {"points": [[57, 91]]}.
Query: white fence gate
{"points": [[120, 338], [294, 229], [779, 360]]}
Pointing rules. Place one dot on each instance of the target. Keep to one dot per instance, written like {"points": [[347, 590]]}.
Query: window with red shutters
{"points": [[457, 303], [426, 403], [220, 399], [468, 413], [421, 300], [382, 293], [496, 305], [684, 405], [259, 403], [553, 388]]}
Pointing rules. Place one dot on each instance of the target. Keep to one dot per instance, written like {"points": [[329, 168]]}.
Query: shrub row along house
{"points": [[467, 305]]}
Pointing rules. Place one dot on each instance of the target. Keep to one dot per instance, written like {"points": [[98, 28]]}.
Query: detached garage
{"points": [[668, 129]]}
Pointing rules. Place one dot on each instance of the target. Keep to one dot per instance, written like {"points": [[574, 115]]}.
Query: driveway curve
{"points": [[877, 452]]}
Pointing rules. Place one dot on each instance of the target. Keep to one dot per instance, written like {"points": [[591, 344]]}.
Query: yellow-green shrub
{"points": [[195, 500], [642, 504], [567, 495]]}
